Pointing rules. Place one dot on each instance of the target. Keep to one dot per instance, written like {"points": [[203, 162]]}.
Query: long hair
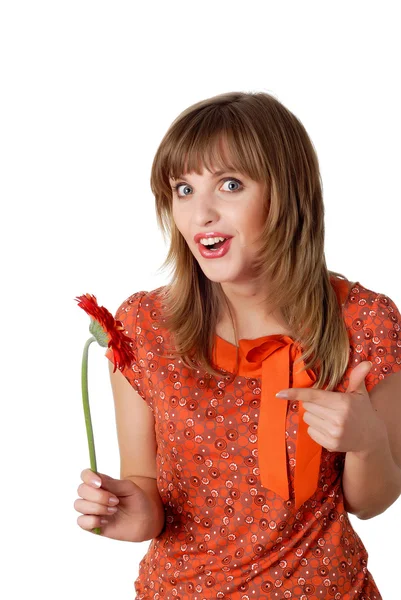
{"points": [[270, 145]]}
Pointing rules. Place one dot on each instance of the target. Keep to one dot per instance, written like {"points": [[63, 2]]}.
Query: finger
{"points": [[89, 522], [93, 508], [99, 496], [91, 478], [327, 421], [321, 397], [316, 422], [119, 487], [324, 412], [321, 439]]}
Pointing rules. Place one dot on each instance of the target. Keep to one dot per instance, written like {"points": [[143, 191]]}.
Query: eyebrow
{"points": [[217, 173]]}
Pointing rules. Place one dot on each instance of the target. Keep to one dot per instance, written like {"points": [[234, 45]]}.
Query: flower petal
{"points": [[108, 331]]}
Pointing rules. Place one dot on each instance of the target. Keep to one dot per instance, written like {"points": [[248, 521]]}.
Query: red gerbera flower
{"points": [[108, 331]]}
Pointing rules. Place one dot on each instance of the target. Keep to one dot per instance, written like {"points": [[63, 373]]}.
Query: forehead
{"points": [[210, 158], [214, 172]]}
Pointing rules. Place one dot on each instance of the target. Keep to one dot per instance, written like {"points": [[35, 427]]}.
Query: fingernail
{"points": [[282, 395], [96, 482]]}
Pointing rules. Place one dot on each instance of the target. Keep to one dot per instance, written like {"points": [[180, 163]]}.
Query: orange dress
{"points": [[239, 525]]}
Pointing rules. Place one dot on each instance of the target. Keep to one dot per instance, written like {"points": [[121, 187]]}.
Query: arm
{"points": [[137, 445], [372, 479], [156, 524]]}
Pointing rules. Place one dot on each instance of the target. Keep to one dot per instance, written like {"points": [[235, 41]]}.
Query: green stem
{"points": [[87, 412]]}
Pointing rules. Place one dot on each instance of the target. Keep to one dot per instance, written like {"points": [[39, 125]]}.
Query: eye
{"points": [[226, 180], [178, 185], [236, 181]]}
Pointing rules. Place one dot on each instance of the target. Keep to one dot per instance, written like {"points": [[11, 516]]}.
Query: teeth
{"points": [[211, 241]]}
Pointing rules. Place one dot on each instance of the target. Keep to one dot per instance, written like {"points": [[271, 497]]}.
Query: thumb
{"points": [[357, 377], [119, 487]]}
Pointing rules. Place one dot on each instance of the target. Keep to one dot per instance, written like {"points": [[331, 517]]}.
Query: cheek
{"points": [[179, 220], [254, 220], [174, 212], [246, 222], [176, 216], [250, 229]]}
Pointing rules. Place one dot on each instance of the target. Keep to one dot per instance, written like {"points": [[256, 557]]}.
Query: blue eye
{"points": [[175, 187], [178, 185]]}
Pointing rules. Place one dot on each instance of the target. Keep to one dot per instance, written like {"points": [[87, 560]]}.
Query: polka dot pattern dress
{"points": [[227, 536]]}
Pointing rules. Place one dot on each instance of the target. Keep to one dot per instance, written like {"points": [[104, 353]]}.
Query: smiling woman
{"points": [[251, 309], [228, 214], [272, 273]]}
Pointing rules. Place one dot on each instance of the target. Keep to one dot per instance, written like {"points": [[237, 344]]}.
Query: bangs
{"points": [[214, 141]]}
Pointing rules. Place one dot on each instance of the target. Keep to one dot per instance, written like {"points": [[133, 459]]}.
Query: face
{"points": [[228, 204]]}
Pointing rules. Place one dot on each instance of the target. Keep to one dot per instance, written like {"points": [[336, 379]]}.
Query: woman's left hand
{"points": [[341, 422]]}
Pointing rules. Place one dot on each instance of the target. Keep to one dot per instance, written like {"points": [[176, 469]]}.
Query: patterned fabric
{"points": [[227, 536], [276, 373]]}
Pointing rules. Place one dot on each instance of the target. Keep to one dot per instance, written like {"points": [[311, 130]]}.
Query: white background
{"points": [[88, 90]]}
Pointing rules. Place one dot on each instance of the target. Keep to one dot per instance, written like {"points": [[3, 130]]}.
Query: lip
{"points": [[222, 251], [210, 234]]}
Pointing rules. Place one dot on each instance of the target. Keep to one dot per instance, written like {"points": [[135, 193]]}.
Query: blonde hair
{"points": [[268, 144]]}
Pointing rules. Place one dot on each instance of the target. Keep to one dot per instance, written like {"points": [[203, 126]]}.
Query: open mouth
{"points": [[215, 246]]}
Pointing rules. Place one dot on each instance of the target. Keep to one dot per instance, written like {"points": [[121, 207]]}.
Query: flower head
{"points": [[108, 331]]}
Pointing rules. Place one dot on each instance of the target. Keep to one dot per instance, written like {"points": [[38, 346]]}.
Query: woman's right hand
{"points": [[133, 512]]}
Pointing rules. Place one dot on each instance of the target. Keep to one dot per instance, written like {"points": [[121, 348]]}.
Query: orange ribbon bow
{"points": [[282, 352], [271, 358]]}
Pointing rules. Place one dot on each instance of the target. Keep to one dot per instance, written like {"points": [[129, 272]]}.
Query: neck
{"points": [[252, 317]]}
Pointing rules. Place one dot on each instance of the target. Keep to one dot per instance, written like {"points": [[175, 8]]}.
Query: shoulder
{"points": [[140, 302], [364, 305], [373, 321], [141, 313]]}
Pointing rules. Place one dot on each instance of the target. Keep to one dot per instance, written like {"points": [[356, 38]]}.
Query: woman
{"points": [[240, 498]]}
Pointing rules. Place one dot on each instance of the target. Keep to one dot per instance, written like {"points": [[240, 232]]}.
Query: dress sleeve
{"points": [[127, 313], [380, 337]]}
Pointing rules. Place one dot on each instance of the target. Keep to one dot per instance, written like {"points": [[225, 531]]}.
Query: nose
{"points": [[205, 210]]}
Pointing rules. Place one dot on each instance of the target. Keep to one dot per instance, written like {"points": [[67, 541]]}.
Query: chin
{"points": [[218, 277], [220, 273]]}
